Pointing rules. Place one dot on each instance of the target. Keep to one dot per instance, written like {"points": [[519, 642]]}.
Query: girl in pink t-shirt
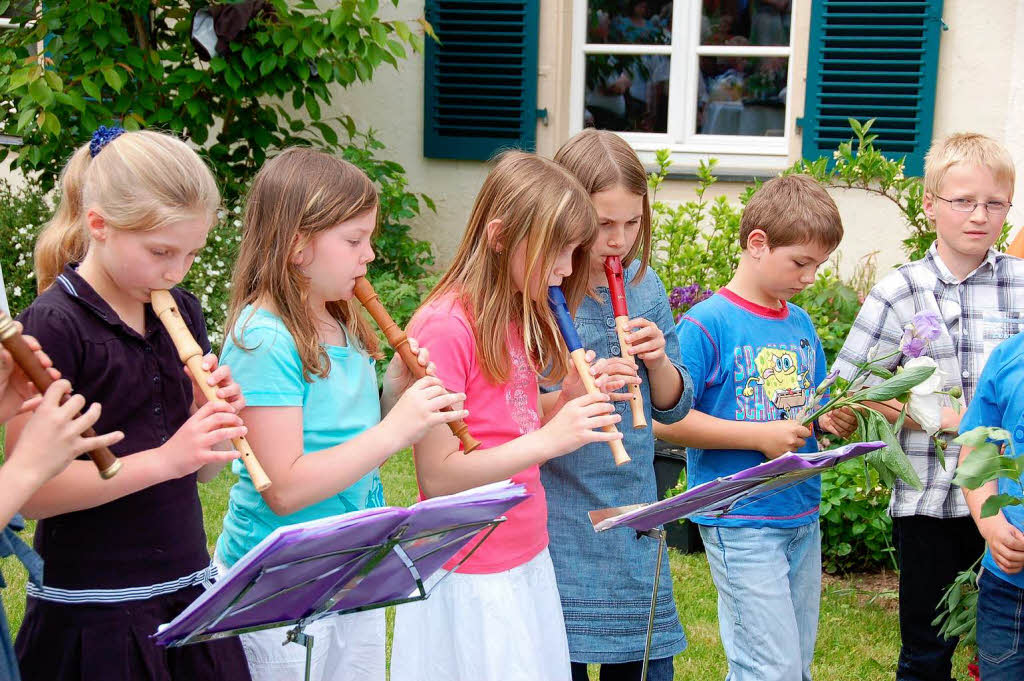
{"points": [[489, 331]]}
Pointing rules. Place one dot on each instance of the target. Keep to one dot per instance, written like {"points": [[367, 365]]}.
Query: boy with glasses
{"points": [[979, 294]]}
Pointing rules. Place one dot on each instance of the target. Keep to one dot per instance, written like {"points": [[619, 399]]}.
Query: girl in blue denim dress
{"points": [[605, 580]]}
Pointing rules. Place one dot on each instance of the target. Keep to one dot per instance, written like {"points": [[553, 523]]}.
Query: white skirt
{"points": [[505, 626]]}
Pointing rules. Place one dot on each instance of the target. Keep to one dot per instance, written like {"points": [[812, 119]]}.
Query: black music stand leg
{"points": [[659, 536]]}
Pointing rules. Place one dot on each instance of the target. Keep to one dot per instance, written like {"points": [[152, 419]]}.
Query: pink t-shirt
{"points": [[497, 414]]}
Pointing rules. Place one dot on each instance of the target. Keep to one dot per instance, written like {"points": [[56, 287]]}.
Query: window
{"points": [[697, 76]]}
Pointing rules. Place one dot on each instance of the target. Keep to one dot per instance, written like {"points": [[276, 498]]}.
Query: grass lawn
{"points": [[858, 634]]}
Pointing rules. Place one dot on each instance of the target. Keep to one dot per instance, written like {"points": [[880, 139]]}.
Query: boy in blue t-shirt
{"points": [[999, 401], [756, 361]]}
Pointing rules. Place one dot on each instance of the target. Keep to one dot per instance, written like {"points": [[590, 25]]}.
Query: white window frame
{"points": [[735, 153]]}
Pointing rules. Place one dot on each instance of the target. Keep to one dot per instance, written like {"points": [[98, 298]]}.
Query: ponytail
{"points": [[64, 239]]}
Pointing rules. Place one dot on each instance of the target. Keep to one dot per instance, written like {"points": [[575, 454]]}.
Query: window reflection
{"points": [[745, 22], [742, 96], [627, 92], [643, 22]]}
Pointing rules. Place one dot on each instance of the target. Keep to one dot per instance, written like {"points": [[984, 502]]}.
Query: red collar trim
{"points": [[754, 308]]}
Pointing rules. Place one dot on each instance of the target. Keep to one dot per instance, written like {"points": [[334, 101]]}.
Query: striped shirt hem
{"points": [[206, 577]]}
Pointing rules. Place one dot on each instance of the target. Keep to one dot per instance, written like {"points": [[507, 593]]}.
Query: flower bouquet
{"points": [[916, 385]]}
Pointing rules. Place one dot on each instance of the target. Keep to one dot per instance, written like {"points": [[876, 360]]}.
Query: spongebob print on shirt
{"points": [[772, 380]]}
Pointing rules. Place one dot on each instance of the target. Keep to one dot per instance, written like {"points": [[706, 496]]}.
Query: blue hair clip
{"points": [[102, 137]]}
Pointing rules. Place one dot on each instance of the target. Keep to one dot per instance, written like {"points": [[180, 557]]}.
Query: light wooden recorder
{"points": [[192, 356], [10, 335], [399, 342], [556, 299], [617, 291]]}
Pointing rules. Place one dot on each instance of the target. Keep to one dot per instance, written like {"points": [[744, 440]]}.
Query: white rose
{"points": [[926, 410], [931, 384]]}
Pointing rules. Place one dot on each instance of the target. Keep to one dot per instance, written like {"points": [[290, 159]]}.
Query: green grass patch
{"points": [[858, 631]]}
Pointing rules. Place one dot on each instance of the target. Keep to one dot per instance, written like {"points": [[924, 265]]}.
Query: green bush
{"points": [[23, 211], [134, 62], [855, 525]]}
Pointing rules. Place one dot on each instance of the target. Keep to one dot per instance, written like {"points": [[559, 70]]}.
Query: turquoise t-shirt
{"points": [[334, 410]]}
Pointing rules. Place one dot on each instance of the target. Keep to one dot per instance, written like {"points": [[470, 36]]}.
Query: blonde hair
{"points": [[792, 209], [602, 160], [138, 182], [544, 208], [297, 195], [970, 149]]}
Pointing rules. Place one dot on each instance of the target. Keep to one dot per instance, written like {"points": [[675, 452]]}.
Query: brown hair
{"points": [[792, 209], [540, 205], [295, 196], [138, 181], [968, 148], [602, 160]]}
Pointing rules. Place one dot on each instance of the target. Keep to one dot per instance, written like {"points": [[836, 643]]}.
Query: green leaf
{"points": [[327, 131], [268, 64], [997, 502], [51, 124], [41, 92], [312, 106], [893, 456], [983, 464], [113, 78], [249, 56], [91, 88], [975, 437], [289, 46], [96, 12], [898, 385]]}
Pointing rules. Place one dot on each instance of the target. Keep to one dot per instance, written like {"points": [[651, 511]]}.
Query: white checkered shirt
{"points": [[978, 313]]}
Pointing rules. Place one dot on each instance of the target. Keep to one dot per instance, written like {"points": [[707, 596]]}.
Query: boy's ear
{"points": [[494, 236], [928, 206], [97, 225], [757, 243]]}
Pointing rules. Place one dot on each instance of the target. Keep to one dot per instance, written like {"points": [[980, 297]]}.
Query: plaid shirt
{"points": [[979, 312]]}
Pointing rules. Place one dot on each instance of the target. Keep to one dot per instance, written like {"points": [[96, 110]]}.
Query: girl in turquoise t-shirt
{"points": [[304, 358]]}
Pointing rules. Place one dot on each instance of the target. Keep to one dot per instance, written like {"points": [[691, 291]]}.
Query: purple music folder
{"points": [[718, 496], [297, 570]]}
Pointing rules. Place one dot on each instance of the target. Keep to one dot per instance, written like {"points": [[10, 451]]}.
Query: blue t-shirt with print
{"points": [[751, 363], [334, 409], [999, 402]]}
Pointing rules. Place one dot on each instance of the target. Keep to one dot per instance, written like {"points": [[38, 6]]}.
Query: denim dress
{"points": [[605, 579], [12, 545]]}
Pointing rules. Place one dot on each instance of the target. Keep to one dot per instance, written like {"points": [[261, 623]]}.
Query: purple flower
{"points": [[924, 327], [927, 325]]}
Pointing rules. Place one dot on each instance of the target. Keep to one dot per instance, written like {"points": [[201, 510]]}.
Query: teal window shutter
{"points": [[873, 60], [480, 81]]}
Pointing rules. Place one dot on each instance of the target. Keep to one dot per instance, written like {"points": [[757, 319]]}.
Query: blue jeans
{"points": [[1000, 629], [769, 590]]}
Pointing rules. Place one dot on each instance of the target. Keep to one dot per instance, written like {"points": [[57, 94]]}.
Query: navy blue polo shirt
{"points": [[154, 535]]}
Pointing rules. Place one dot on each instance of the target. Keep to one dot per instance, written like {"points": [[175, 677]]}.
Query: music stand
{"points": [[358, 561], [718, 498]]}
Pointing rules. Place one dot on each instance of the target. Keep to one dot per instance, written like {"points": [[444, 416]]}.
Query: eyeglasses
{"points": [[968, 206]]}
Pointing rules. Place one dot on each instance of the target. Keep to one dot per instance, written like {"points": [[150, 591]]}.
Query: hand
{"points": [[646, 340], [1004, 541], [841, 422], [191, 447], [52, 436], [219, 377], [610, 374], [398, 378], [577, 423], [15, 387], [950, 420], [779, 437], [421, 408]]}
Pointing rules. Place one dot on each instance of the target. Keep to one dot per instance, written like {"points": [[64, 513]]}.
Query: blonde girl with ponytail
{"points": [[127, 554]]}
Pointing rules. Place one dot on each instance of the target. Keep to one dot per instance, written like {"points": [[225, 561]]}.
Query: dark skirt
{"points": [[95, 642]]}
